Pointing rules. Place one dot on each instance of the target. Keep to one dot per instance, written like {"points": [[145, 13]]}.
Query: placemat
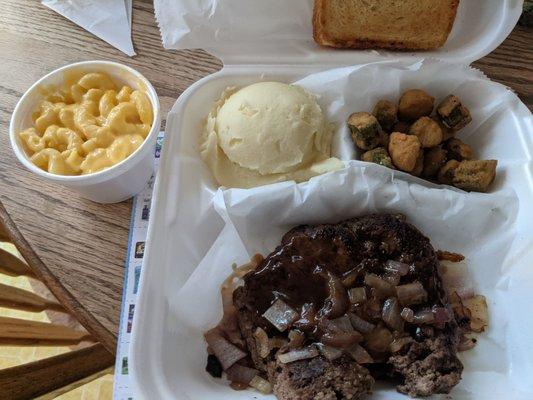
{"points": [[140, 215]]}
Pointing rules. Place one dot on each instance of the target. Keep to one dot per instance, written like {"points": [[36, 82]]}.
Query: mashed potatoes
{"points": [[264, 133]]}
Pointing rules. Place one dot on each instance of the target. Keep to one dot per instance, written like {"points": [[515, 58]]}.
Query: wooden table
{"points": [[83, 243]]}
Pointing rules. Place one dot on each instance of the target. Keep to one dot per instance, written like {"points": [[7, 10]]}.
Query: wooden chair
{"points": [[52, 376]]}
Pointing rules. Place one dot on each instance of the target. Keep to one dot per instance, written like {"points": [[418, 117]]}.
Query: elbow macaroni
{"points": [[87, 126]]}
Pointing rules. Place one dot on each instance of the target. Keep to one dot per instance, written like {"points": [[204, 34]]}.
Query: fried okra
{"points": [[422, 143], [415, 103], [386, 113], [378, 156], [447, 133], [453, 113], [447, 172], [419, 166], [475, 175], [404, 151], [366, 131], [428, 132], [458, 150], [401, 126], [384, 139], [434, 159]]}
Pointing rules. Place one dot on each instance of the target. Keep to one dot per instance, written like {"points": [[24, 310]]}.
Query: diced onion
{"points": [[411, 293], [398, 344], [229, 324], [299, 354], [395, 266], [360, 324], [373, 305], [360, 355], [277, 342], [382, 287], [330, 353], [466, 343], [424, 316], [226, 352], [407, 314], [261, 385], [357, 295], [342, 324], [391, 314], [341, 339], [349, 278], [465, 292], [241, 374], [379, 340], [337, 301], [393, 278], [262, 342], [455, 279], [307, 319], [296, 339], [479, 318], [280, 315], [449, 256]]}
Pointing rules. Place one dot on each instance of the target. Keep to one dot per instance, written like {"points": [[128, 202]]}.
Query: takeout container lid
{"points": [[281, 33], [114, 184]]}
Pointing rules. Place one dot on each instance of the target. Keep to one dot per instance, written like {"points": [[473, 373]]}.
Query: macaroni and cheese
{"points": [[87, 125]]}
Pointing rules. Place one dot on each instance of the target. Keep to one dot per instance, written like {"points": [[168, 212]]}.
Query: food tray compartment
{"points": [[168, 356]]}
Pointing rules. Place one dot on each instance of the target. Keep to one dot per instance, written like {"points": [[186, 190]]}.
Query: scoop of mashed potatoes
{"points": [[264, 133]]}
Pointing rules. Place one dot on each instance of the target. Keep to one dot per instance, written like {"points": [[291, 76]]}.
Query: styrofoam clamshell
{"points": [[190, 219]]}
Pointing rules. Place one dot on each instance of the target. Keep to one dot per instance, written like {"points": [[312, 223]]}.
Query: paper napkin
{"points": [[110, 20]]}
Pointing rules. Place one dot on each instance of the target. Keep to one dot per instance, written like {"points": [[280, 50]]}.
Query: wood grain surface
{"points": [[83, 243]]}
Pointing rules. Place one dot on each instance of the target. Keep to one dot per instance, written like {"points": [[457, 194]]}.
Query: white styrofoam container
{"points": [[170, 259]]}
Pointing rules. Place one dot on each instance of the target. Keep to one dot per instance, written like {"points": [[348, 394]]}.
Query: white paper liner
{"points": [[477, 225]]}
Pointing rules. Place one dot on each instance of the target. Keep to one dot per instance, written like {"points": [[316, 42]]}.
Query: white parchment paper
{"points": [[479, 226], [110, 20]]}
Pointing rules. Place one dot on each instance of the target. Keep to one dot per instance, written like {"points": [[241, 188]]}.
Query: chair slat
{"points": [[40, 271], [21, 332], [19, 299], [4, 237], [12, 265], [54, 374], [35, 379]]}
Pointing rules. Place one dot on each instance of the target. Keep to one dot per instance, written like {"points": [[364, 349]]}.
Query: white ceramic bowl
{"points": [[111, 185]]}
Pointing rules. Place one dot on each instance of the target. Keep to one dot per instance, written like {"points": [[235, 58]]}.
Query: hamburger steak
{"points": [[337, 306]]}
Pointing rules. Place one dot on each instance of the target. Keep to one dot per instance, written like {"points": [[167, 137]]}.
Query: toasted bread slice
{"points": [[393, 24]]}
